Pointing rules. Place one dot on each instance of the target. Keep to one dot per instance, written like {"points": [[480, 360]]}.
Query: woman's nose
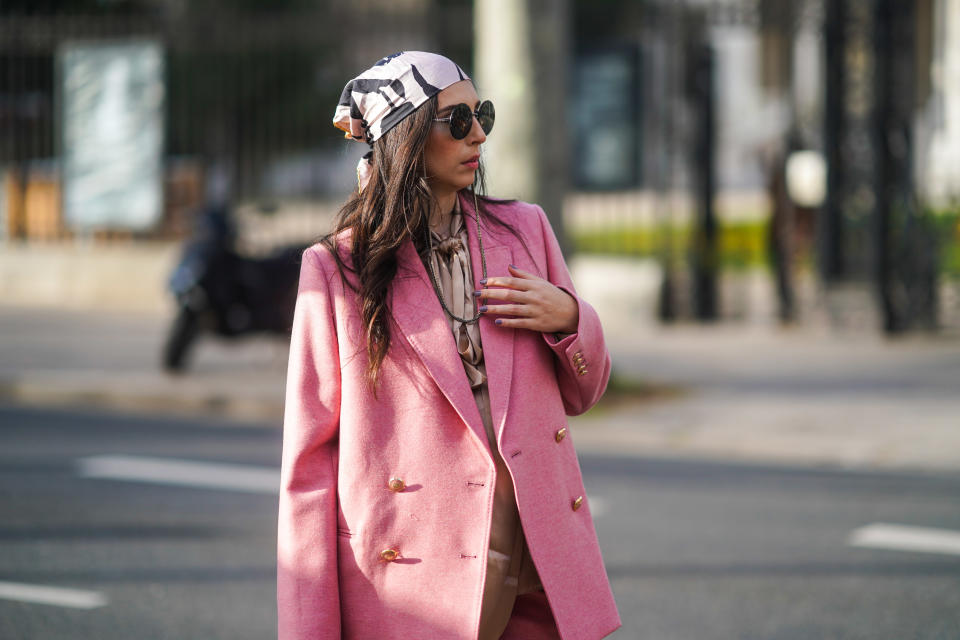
{"points": [[477, 136]]}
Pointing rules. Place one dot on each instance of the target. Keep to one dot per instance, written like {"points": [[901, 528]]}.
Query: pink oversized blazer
{"points": [[342, 444]]}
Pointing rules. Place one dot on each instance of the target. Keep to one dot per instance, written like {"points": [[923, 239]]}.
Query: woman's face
{"points": [[451, 163]]}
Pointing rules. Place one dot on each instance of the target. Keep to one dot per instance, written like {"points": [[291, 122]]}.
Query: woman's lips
{"points": [[473, 162]]}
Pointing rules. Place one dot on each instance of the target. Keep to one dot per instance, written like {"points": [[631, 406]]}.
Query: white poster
{"points": [[112, 134]]}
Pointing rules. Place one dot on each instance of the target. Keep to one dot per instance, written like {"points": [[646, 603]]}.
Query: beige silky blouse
{"points": [[510, 571]]}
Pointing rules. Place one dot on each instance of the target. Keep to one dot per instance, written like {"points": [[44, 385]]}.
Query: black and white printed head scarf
{"points": [[375, 101]]}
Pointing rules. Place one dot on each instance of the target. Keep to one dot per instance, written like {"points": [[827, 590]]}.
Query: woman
{"points": [[429, 485]]}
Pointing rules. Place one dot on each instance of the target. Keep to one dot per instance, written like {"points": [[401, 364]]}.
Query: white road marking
{"points": [[56, 596], [207, 475], [905, 538]]}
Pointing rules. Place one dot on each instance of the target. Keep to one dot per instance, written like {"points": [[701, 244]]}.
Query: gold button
{"points": [[389, 555], [396, 484], [577, 503], [582, 371], [561, 434]]}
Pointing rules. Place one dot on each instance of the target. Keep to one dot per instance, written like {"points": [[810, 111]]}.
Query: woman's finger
{"points": [[520, 273], [507, 295], [515, 323], [506, 282], [520, 310]]}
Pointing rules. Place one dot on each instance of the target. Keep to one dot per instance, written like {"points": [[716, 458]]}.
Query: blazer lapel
{"points": [[497, 341], [417, 311]]}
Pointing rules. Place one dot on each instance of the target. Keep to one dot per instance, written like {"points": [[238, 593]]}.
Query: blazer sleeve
{"points": [[308, 600], [583, 362]]}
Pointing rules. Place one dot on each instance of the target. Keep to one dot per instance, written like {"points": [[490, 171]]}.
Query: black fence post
{"points": [[830, 229], [905, 268], [704, 247]]}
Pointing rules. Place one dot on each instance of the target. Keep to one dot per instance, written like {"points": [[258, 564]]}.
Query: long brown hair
{"points": [[393, 206]]}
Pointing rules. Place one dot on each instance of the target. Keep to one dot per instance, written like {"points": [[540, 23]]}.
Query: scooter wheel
{"points": [[186, 327]]}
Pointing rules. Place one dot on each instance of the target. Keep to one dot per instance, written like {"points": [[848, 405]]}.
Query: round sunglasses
{"points": [[461, 119]]}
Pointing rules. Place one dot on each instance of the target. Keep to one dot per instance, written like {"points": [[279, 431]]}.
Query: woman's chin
{"points": [[467, 179], [458, 182]]}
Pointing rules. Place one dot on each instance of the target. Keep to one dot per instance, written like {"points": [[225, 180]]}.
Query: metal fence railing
{"points": [[246, 85], [249, 86]]}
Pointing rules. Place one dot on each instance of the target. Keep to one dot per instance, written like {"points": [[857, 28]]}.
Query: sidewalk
{"points": [[112, 360], [788, 396], [725, 393]]}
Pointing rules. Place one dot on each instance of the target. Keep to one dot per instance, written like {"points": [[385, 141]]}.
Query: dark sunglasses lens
{"points": [[486, 115], [461, 120]]}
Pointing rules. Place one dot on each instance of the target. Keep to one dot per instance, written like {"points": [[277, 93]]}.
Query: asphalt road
{"points": [[693, 549]]}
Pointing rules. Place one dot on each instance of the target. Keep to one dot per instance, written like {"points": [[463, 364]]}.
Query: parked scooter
{"points": [[221, 292]]}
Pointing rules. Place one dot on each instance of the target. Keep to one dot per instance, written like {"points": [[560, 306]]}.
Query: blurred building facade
{"points": [[681, 119]]}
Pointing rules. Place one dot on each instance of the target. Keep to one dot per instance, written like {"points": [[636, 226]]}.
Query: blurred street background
{"points": [[760, 197]]}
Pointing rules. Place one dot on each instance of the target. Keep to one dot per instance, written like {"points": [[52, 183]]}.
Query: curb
{"points": [[161, 400], [617, 427]]}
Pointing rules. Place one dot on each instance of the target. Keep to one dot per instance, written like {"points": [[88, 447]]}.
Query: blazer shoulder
{"points": [[514, 208], [322, 255], [525, 217]]}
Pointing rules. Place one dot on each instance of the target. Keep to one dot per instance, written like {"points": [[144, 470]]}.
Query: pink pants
{"points": [[531, 619]]}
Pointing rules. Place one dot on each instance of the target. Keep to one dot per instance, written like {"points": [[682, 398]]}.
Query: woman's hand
{"points": [[530, 302]]}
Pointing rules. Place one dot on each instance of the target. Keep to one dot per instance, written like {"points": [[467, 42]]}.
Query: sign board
{"points": [[112, 98], [606, 118]]}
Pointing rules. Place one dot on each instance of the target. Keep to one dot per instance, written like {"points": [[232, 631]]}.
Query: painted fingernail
{"points": [[498, 321], [476, 294], [483, 309], [484, 281], [513, 266]]}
